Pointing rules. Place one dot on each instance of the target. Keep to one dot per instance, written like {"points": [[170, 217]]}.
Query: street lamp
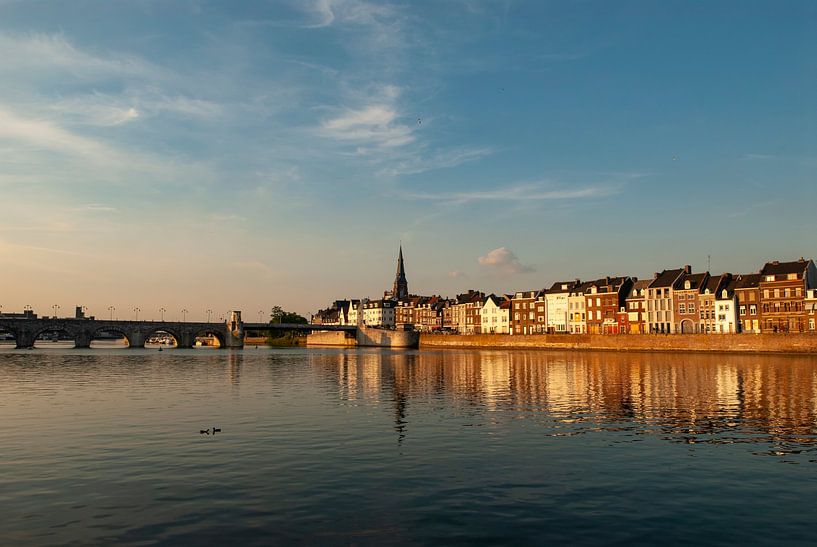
{"points": [[111, 309], [56, 307], [209, 311], [162, 312], [259, 315], [136, 311], [184, 315]]}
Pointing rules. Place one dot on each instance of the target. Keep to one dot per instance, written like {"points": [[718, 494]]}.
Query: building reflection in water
{"points": [[689, 398]]}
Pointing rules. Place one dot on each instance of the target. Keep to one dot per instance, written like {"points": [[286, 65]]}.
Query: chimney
{"points": [[655, 275], [688, 269]]}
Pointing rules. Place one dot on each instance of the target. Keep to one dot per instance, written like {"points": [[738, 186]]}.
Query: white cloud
{"points": [[456, 274], [45, 54], [503, 261], [375, 124], [94, 208], [525, 192], [442, 160]]}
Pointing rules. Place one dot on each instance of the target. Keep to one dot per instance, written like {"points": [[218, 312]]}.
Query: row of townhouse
{"points": [[781, 297]]}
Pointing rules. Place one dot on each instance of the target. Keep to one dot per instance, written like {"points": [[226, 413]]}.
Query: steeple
{"points": [[400, 289]]}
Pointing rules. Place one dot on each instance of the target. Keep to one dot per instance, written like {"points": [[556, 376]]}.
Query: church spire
{"points": [[400, 288]]}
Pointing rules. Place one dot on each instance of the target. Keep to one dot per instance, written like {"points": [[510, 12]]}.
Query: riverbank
{"points": [[703, 343]]}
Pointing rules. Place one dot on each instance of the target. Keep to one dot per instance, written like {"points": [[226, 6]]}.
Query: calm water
{"points": [[372, 447]]}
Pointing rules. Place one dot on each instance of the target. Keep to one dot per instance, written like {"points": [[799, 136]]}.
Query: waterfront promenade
{"points": [[703, 343]]}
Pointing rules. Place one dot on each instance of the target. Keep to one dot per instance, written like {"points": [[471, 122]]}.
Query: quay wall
{"points": [[331, 338], [382, 338], [727, 343]]}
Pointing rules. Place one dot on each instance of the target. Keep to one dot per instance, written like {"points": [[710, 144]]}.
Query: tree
{"points": [[278, 315]]}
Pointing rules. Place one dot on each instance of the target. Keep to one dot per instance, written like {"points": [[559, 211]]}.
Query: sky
{"points": [[241, 155]]}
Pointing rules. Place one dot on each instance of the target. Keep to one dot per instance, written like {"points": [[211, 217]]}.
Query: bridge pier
{"points": [[136, 339], [234, 331], [25, 340], [186, 340], [82, 340]]}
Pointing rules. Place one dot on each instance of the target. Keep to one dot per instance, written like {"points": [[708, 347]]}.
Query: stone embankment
{"points": [[727, 343], [366, 337]]}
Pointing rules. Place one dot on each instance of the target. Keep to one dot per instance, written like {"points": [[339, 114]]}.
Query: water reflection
{"points": [[690, 399]]}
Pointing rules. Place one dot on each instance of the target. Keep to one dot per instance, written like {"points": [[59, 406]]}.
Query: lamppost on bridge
{"points": [[136, 311], [209, 311], [111, 309], [56, 307], [162, 312], [184, 315]]}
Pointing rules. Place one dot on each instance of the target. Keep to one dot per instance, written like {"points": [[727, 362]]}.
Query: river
{"points": [[373, 447]]}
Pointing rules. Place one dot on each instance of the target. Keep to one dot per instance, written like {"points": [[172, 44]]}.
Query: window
{"points": [[777, 293], [769, 278], [598, 301], [787, 293], [742, 310], [752, 309], [765, 293], [691, 307], [682, 308], [791, 276]]}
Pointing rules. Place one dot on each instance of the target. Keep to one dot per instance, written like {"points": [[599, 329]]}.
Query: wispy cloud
{"points": [[38, 55], [94, 208], [503, 261], [524, 192], [441, 160], [374, 124]]}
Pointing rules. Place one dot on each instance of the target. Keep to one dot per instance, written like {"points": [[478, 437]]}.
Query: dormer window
{"points": [[769, 278], [723, 294], [687, 284]]}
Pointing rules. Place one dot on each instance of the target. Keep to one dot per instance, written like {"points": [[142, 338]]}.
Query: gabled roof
{"points": [[728, 284], [748, 281], [557, 288], [639, 285], [608, 284], [714, 282], [696, 282], [782, 268], [666, 278], [520, 295], [580, 289]]}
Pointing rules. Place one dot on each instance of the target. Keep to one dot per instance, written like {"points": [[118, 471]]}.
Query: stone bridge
{"points": [[229, 334]]}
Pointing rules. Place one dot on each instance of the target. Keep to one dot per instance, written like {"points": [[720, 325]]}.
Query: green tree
{"points": [[279, 315]]}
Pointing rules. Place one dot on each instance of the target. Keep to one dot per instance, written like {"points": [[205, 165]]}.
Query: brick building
{"points": [[747, 295], [604, 300], [528, 312], [685, 296], [636, 311], [783, 287]]}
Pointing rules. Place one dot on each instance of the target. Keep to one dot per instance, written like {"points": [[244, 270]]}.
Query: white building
{"points": [[577, 319], [495, 315], [376, 313], [726, 309], [557, 306], [811, 309]]}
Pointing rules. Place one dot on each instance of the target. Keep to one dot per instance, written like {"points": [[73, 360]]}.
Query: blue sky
{"points": [[239, 155]]}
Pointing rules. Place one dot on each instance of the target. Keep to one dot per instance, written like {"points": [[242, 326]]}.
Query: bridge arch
{"points": [[211, 331], [177, 336], [8, 337], [57, 329], [95, 333]]}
